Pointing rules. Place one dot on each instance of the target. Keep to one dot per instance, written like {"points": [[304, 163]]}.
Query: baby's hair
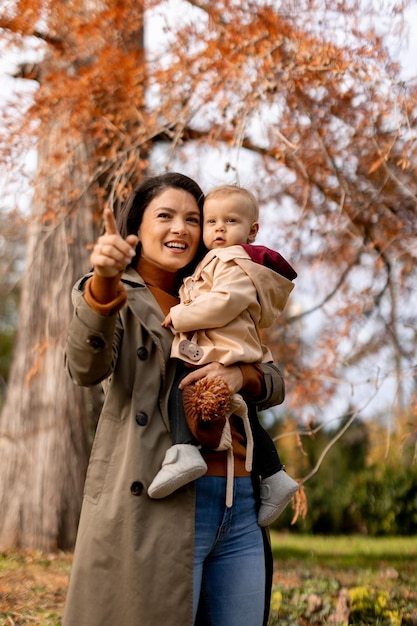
{"points": [[228, 190]]}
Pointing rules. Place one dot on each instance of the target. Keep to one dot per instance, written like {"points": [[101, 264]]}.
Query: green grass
{"points": [[312, 574], [345, 551]]}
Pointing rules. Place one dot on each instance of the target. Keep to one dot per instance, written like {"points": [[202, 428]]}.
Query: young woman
{"points": [[184, 559]]}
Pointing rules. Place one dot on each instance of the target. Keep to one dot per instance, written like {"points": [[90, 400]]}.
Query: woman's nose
{"points": [[179, 226]]}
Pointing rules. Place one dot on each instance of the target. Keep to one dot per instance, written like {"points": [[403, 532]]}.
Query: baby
{"points": [[237, 289]]}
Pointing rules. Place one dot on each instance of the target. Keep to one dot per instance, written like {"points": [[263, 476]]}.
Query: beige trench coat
{"points": [[133, 560]]}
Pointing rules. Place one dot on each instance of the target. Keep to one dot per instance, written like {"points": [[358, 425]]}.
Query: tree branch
{"points": [[13, 26], [28, 71], [294, 318]]}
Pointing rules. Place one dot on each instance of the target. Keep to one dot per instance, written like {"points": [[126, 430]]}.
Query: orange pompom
{"points": [[206, 406]]}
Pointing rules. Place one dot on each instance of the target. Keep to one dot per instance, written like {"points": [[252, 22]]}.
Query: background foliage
{"points": [[360, 488]]}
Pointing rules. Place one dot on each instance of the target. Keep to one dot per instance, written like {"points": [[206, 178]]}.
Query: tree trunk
{"points": [[45, 421]]}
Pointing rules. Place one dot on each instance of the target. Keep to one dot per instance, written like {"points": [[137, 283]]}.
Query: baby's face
{"points": [[228, 221]]}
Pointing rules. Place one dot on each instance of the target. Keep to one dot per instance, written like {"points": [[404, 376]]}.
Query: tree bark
{"points": [[45, 425], [45, 421]]}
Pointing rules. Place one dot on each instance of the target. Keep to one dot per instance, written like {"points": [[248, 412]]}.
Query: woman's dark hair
{"points": [[131, 213]]}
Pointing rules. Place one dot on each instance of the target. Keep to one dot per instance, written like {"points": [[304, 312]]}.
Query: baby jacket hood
{"points": [[273, 286]]}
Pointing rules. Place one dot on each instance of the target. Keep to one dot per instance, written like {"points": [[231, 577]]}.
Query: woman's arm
{"points": [[232, 374], [274, 387], [111, 254], [91, 346], [259, 383]]}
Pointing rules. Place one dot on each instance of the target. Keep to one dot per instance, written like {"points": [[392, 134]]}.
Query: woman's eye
{"points": [[164, 215], [194, 220]]}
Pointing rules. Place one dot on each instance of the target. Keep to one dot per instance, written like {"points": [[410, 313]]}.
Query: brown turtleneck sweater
{"points": [[107, 296]]}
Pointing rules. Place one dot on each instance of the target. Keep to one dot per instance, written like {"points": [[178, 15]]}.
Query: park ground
{"points": [[317, 580]]}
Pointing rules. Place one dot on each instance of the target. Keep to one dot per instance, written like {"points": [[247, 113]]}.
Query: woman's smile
{"points": [[176, 245], [170, 231]]}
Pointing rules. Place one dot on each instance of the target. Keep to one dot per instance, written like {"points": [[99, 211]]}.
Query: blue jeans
{"points": [[229, 559]]}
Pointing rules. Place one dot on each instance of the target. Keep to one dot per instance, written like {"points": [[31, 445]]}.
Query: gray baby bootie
{"points": [[182, 464], [276, 491]]}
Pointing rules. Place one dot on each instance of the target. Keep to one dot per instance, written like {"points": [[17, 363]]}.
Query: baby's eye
{"points": [[231, 219]]}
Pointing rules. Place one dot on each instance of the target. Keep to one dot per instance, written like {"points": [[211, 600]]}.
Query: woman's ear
{"points": [[253, 232]]}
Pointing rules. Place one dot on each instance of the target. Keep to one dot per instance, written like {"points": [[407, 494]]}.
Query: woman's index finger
{"points": [[109, 222]]}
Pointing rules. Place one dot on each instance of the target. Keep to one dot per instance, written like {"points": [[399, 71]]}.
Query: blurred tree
{"points": [[311, 93], [384, 499], [11, 267], [331, 492], [363, 485], [90, 88]]}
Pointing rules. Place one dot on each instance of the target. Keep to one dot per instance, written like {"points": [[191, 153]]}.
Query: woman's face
{"points": [[170, 230]]}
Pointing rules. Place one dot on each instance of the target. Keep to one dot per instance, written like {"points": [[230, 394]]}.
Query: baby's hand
{"points": [[167, 321]]}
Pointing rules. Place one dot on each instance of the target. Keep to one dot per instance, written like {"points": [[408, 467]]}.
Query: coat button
{"points": [[97, 343], [142, 353], [190, 350], [141, 419], [136, 488]]}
